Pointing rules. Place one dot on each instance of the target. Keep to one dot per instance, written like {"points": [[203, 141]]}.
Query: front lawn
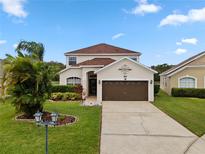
{"points": [[26, 138], [190, 112]]}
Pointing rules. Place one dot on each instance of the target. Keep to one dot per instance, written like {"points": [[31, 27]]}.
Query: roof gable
{"points": [[183, 63], [103, 49], [137, 63]]}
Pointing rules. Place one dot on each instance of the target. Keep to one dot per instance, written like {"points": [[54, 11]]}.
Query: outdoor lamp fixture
{"points": [[39, 121], [151, 81]]}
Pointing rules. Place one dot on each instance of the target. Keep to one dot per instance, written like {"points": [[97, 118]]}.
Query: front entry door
{"points": [[92, 87]]}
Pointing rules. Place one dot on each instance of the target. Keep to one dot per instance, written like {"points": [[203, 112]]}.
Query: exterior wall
{"points": [[198, 73], [137, 73], [165, 84], [89, 57], [84, 80], [77, 72], [173, 81], [72, 72]]}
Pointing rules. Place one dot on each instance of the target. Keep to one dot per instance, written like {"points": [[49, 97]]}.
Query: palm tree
{"points": [[28, 78], [34, 49]]}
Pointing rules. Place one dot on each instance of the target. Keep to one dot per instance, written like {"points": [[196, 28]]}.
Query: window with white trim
{"points": [[72, 60], [187, 82], [73, 81]]}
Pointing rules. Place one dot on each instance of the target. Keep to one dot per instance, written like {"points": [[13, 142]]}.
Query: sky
{"points": [[164, 31]]}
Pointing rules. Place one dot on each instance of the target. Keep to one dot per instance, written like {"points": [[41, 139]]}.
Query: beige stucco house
{"points": [[188, 74], [110, 73]]}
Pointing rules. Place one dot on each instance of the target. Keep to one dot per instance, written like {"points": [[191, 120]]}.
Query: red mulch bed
{"points": [[62, 119]]}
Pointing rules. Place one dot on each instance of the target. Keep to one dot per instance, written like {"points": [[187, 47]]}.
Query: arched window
{"points": [[73, 81], [187, 82]]}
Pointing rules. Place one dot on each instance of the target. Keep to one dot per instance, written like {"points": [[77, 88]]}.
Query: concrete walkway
{"points": [[198, 147], [90, 101], [141, 128]]}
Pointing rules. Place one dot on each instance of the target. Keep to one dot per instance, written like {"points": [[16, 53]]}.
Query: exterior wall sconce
{"points": [[99, 82], [151, 81]]}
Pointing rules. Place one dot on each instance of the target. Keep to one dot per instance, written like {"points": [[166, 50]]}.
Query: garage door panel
{"points": [[125, 90]]}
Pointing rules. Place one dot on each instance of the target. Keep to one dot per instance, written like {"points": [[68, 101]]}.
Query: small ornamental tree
{"points": [[29, 82]]}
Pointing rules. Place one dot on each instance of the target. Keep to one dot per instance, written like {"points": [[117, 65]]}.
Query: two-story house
{"points": [[110, 73]]}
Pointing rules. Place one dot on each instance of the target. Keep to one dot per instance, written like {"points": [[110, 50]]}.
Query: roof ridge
{"points": [[102, 48]]}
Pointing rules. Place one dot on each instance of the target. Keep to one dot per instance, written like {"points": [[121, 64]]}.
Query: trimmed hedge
{"points": [[68, 96], [66, 88], [156, 89], [188, 92]]}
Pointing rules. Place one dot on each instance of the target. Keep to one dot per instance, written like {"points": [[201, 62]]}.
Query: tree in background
{"points": [[55, 68], [28, 78], [160, 68]]}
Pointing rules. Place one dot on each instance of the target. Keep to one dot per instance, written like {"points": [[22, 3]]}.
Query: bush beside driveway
{"points": [[190, 112]]}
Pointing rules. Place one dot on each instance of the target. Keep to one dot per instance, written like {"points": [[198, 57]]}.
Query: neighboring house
{"points": [[110, 73], [188, 74]]}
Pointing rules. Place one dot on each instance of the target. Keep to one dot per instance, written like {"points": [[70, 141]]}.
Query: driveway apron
{"points": [[141, 128]]}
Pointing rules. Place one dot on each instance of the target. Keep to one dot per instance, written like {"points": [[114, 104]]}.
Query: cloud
{"points": [[144, 7], [2, 42], [180, 51], [190, 41], [178, 43], [193, 15], [116, 36], [173, 19], [14, 7]]}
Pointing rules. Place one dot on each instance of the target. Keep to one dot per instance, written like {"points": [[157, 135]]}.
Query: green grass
{"points": [[190, 112], [26, 138]]}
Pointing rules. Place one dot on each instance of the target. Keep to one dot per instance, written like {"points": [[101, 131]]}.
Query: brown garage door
{"points": [[125, 91]]}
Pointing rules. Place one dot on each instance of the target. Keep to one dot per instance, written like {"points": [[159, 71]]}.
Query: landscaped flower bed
{"points": [[62, 119]]}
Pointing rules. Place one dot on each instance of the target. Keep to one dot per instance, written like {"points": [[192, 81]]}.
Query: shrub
{"points": [[78, 89], [67, 88], [65, 96], [62, 88], [29, 83], [188, 92], [156, 89], [56, 96]]}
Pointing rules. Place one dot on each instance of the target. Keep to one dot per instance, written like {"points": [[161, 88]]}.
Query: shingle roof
{"points": [[96, 61], [103, 49], [178, 66]]}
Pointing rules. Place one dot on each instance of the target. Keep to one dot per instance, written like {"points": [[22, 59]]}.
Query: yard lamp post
{"points": [[39, 121]]}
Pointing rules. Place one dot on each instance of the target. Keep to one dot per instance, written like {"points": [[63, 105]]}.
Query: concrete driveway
{"points": [[141, 128]]}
